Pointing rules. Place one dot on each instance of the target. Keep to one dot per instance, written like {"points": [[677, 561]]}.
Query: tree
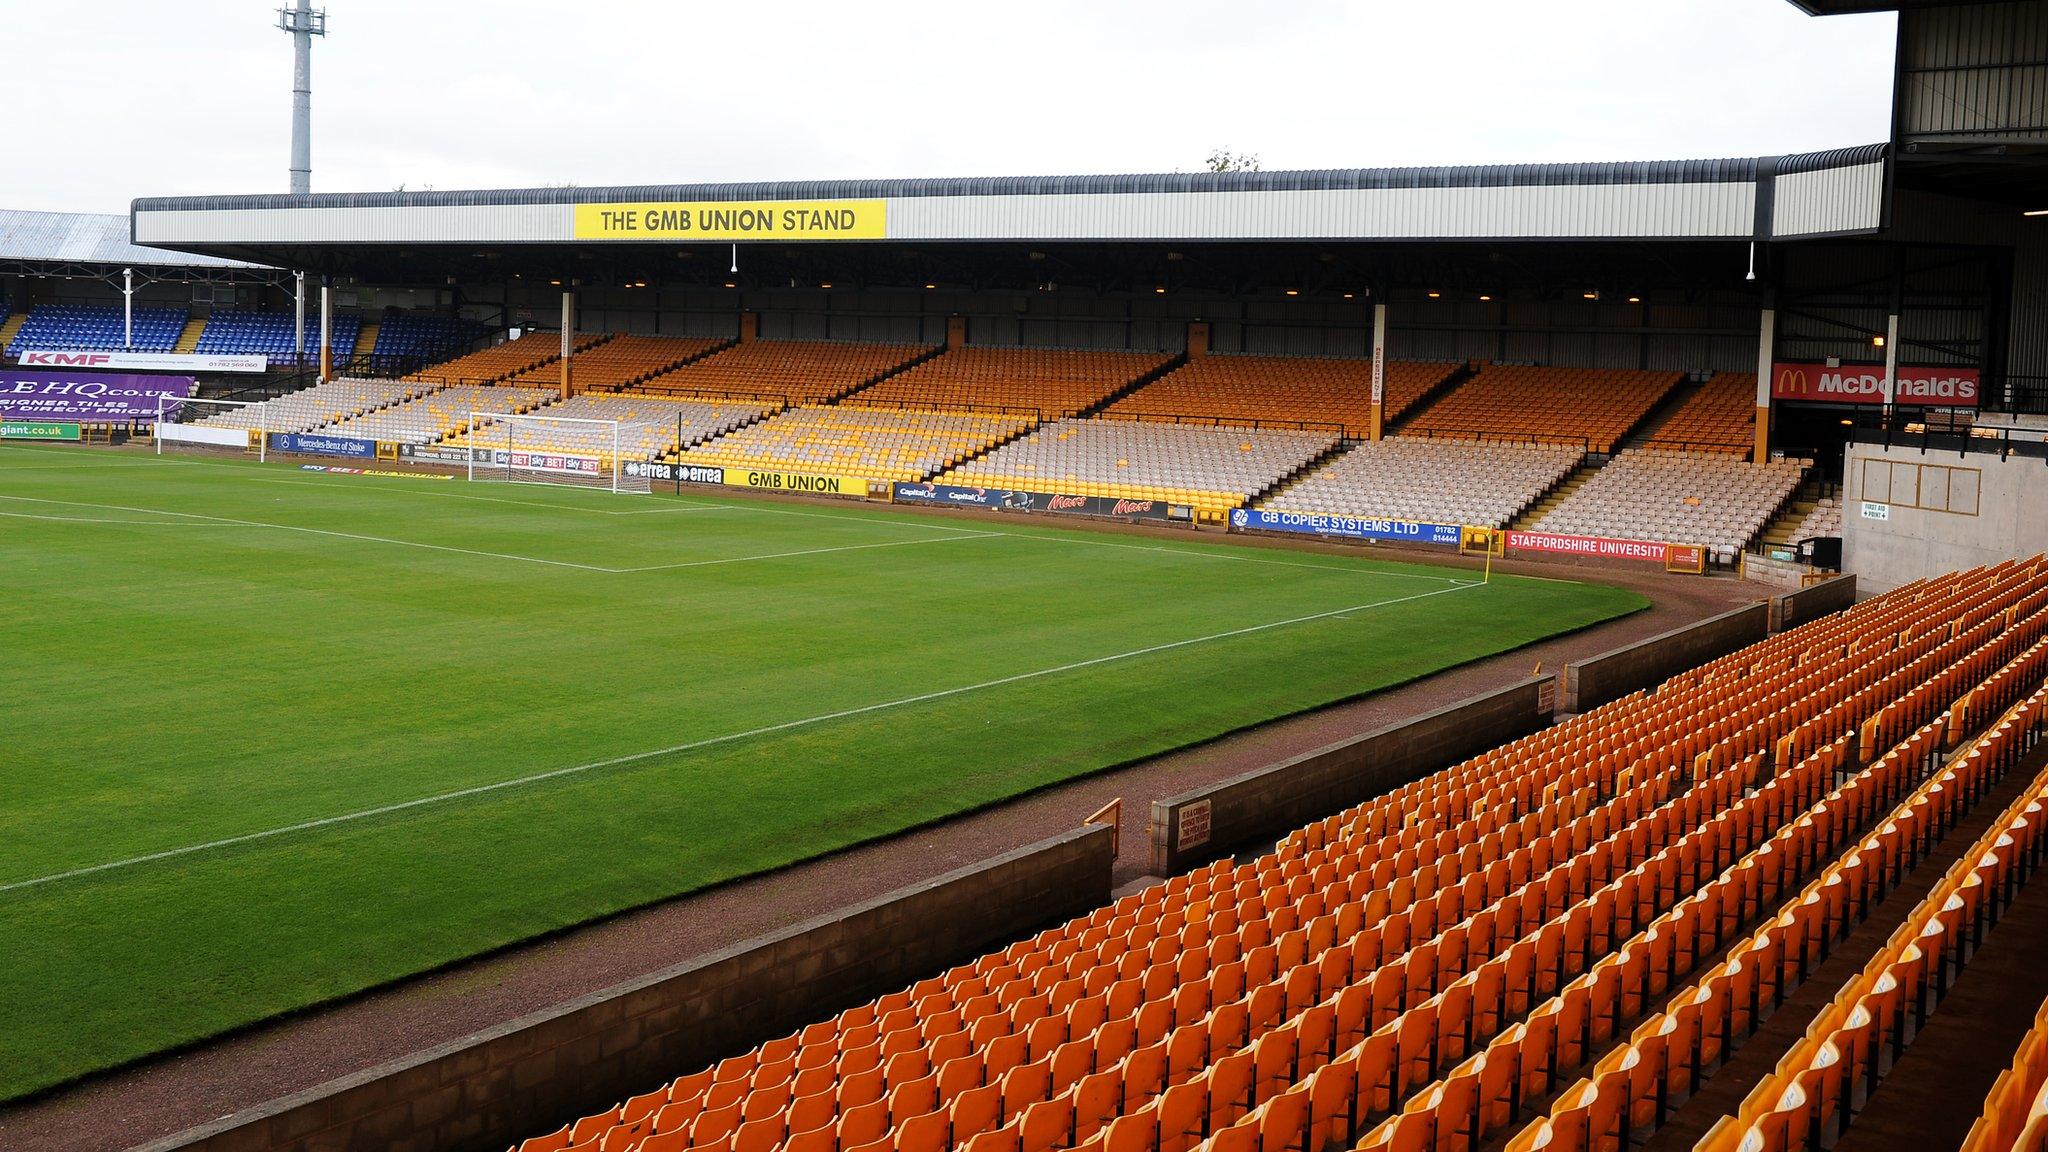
{"points": [[1223, 160]]}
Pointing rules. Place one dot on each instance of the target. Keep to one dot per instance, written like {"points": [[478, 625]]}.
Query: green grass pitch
{"points": [[273, 737]]}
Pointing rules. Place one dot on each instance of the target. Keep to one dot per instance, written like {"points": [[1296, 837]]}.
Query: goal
{"points": [[191, 421], [536, 449]]}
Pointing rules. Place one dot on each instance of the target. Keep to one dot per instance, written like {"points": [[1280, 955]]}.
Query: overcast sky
{"points": [[195, 96]]}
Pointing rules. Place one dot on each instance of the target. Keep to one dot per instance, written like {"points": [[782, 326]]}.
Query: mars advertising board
{"points": [[1864, 384]]}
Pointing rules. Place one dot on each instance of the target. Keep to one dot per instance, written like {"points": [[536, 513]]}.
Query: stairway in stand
{"points": [[189, 338], [10, 326], [1546, 503]]}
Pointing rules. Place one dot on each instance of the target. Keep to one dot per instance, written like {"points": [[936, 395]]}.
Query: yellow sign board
{"points": [[798, 482], [735, 220]]}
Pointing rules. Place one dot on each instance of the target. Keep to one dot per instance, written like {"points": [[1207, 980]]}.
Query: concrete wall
{"points": [[530, 1076], [1596, 680], [1812, 602], [1942, 510], [1208, 822]]}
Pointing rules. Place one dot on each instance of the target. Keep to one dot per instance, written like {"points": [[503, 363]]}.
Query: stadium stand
{"points": [[405, 337], [437, 414], [309, 408], [2015, 1115], [1593, 407], [1280, 390], [793, 372], [502, 360], [1710, 499], [1432, 481], [1719, 416], [619, 361], [1417, 971], [648, 426], [273, 335], [1210, 468], [876, 443], [95, 328], [1053, 382]]}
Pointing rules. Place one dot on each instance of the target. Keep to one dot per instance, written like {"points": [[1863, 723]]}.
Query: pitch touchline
{"points": [[710, 741], [755, 507], [225, 520]]}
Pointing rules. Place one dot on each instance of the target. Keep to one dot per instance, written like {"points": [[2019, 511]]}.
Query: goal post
{"points": [[530, 448], [241, 425]]}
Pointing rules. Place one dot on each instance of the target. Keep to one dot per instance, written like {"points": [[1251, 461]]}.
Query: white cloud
{"points": [[194, 97]]}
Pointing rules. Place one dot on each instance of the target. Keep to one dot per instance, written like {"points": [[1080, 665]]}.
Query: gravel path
{"points": [[168, 1094]]}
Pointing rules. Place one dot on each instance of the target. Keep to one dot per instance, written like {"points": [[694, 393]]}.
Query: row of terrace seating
{"points": [[309, 408], [274, 335], [1593, 407], [409, 336], [437, 414], [1053, 382], [1209, 468], [2015, 1116], [877, 443], [795, 372], [1719, 416], [1299, 998], [619, 361], [1433, 481], [1710, 499], [503, 360], [1249, 390], [97, 328], [649, 426]]}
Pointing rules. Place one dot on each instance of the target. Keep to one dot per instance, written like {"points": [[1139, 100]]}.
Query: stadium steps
{"points": [[1723, 1086], [1102, 405], [1442, 388], [877, 378], [1661, 415], [366, 338], [1966, 1043], [1544, 505], [670, 366], [10, 327], [188, 340], [1779, 528], [1278, 487]]}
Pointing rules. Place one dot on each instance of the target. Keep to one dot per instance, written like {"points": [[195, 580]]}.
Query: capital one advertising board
{"points": [[88, 397], [1864, 384]]}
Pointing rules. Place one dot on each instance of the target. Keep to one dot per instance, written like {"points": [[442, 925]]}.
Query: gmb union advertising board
{"points": [[1009, 500], [86, 397], [753, 478], [313, 444], [1349, 527], [1864, 384]]}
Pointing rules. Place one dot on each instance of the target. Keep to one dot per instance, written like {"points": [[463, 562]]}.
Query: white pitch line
{"points": [[806, 552], [317, 532], [707, 742], [102, 520], [223, 521]]}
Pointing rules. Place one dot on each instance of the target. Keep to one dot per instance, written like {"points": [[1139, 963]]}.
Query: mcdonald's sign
{"points": [[1864, 384]]}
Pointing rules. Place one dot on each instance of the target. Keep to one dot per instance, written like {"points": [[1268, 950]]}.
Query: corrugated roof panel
{"points": [[88, 238]]}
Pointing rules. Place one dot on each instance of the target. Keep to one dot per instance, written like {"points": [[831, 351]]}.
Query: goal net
{"points": [[186, 423], [536, 449]]}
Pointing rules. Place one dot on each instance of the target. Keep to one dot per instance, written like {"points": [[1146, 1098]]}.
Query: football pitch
{"points": [[275, 736]]}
